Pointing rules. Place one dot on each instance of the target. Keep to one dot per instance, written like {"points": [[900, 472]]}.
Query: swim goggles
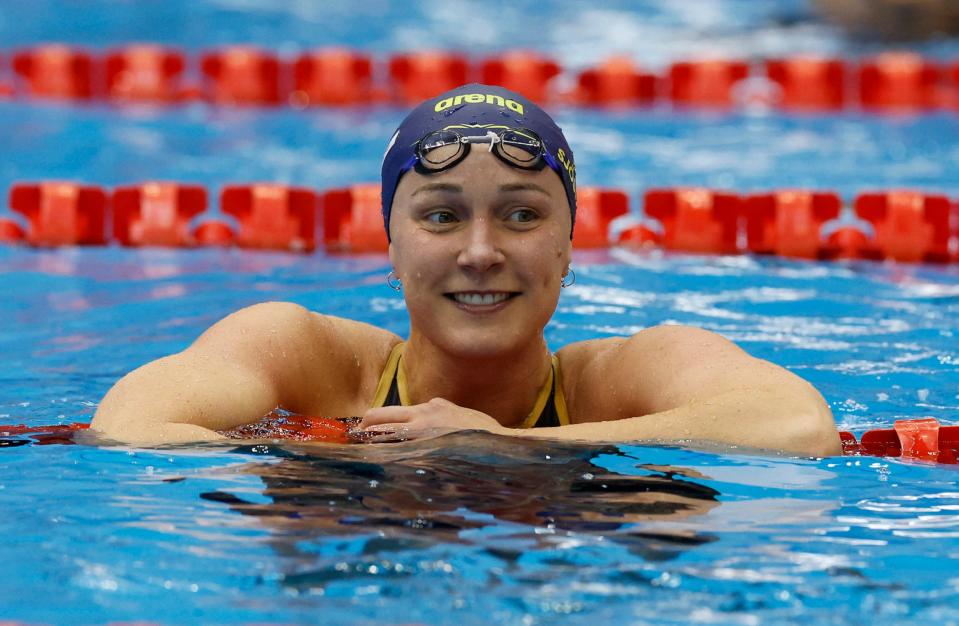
{"points": [[440, 150]]}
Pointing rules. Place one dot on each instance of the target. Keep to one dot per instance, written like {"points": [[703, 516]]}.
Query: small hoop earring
{"points": [[569, 273], [395, 283]]}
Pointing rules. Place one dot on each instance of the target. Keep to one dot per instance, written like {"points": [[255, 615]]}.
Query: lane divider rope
{"points": [[899, 225], [244, 75]]}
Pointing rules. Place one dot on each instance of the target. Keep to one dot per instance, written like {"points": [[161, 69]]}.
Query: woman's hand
{"points": [[438, 416]]}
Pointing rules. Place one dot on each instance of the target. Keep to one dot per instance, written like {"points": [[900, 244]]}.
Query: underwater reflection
{"points": [[415, 495]]}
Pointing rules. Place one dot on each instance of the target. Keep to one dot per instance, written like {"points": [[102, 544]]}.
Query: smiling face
{"points": [[481, 249]]}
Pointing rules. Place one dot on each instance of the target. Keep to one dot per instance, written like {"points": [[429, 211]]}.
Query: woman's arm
{"points": [[754, 418], [669, 383], [673, 383], [240, 369], [182, 398], [748, 418]]}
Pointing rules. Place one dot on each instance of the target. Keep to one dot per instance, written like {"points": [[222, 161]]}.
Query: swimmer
{"points": [[479, 203]]}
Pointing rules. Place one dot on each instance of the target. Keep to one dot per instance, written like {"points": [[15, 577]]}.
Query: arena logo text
{"points": [[478, 98]]}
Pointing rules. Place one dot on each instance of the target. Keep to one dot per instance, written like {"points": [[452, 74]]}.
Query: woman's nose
{"points": [[481, 250]]}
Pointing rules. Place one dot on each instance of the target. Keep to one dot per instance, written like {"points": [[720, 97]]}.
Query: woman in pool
{"points": [[479, 203]]}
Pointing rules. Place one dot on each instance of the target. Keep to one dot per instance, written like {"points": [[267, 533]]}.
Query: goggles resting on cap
{"points": [[440, 150]]}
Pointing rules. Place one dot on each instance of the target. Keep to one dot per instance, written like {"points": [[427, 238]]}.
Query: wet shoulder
{"points": [[619, 377], [328, 365], [581, 365], [291, 325], [591, 358], [353, 355]]}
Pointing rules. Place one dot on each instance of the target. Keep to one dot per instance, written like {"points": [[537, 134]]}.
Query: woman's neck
{"points": [[504, 386]]}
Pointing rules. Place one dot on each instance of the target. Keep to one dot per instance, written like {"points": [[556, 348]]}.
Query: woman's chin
{"points": [[483, 344]]}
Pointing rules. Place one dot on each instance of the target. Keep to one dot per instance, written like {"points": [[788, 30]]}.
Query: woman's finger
{"points": [[385, 415], [387, 433]]}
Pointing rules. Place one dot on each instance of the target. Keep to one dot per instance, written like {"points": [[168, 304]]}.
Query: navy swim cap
{"points": [[472, 111]]}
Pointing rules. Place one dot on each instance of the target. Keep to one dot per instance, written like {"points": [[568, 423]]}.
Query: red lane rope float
{"points": [[272, 216], [55, 71], [296, 428], [899, 80], [156, 214], [706, 83], [40, 435], [527, 73], [242, 75], [61, 213], [789, 223], [909, 226], [353, 219], [616, 82], [332, 77], [421, 75], [695, 219], [595, 210], [145, 73], [920, 439], [808, 82]]}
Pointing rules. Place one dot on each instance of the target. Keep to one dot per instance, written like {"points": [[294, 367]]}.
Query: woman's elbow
{"points": [[811, 428]]}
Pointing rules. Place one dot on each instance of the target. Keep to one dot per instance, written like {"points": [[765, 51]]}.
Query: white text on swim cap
{"points": [[479, 98]]}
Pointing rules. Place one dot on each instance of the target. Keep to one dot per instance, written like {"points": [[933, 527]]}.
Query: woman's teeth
{"points": [[480, 298]]}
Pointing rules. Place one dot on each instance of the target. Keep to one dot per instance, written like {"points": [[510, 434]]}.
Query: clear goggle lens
{"points": [[443, 149]]}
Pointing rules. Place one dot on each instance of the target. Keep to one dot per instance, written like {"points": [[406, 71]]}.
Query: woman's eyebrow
{"points": [[449, 187], [523, 187]]}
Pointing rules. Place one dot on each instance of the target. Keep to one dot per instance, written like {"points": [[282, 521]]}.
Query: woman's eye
{"points": [[522, 216], [441, 217]]}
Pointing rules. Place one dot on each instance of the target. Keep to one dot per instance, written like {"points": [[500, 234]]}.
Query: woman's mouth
{"points": [[481, 298]]}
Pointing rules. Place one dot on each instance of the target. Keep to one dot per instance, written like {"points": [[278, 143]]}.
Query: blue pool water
{"points": [[472, 529]]}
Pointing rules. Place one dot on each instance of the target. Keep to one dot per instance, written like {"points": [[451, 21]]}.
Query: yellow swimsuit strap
{"points": [[386, 378], [393, 369], [559, 399]]}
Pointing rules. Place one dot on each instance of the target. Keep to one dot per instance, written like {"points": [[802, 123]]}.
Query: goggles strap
{"points": [[490, 137]]}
